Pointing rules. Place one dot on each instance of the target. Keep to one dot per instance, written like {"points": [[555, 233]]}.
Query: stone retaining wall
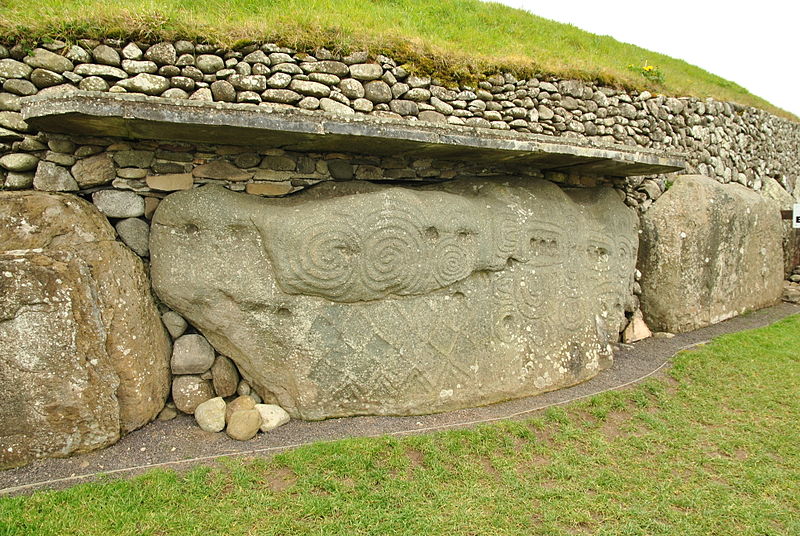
{"points": [[721, 140]]}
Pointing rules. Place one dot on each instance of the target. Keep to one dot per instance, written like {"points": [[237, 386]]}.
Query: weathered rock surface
{"points": [[190, 391], [57, 382], [244, 425], [191, 354], [224, 376], [791, 238], [240, 403], [708, 252], [210, 415], [353, 298], [272, 416], [85, 356]]}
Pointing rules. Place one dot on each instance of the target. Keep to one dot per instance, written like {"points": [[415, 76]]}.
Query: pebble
{"points": [[44, 59], [241, 403], [103, 71], [352, 89], [53, 178], [118, 204], [244, 425], [14, 69], [161, 54], [9, 102], [94, 171], [209, 63], [23, 88], [223, 91], [308, 103], [404, 107], [170, 182], [210, 415], [131, 51], [313, 89], [19, 162], [135, 233], [176, 325], [248, 82], [78, 54], [279, 80], [167, 414], [221, 170], [189, 391], [191, 354], [93, 83], [272, 416], [366, 71], [137, 66], [243, 389], [225, 376], [378, 91], [105, 55], [149, 84], [19, 181], [334, 107]]}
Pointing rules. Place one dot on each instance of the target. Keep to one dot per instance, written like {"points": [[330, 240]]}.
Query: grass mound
{"points": [[457, 39]]}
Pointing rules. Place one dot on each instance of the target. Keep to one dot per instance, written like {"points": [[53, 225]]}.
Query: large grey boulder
{"points": [[708, 252], [84, 358], [352, 298], [771, 189]]}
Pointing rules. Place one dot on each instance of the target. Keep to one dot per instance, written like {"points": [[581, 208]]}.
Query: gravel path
{"points": [[180, 443]]}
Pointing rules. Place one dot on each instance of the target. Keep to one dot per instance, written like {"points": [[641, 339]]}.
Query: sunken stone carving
{"points": [[353, 298], [709, 252]]}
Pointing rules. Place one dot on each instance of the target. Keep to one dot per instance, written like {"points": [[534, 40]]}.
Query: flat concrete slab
{"points": [[277, 126]]}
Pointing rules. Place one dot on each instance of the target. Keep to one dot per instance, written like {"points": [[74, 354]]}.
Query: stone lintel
{"points": [[267, 125]]}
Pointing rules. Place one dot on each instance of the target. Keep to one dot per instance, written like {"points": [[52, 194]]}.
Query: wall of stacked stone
{"points": [[721, 140]]}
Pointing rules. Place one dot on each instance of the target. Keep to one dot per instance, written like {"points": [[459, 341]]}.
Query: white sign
{"points": [[796, 216]]}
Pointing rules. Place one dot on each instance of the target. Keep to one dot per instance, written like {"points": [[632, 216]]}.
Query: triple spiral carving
{"points": [[385, 252]]}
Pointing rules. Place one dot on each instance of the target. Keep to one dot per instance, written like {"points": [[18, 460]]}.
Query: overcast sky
{"points": [[755, 44]]}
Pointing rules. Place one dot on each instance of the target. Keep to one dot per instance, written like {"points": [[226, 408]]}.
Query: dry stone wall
{"points": [[725, 141]]}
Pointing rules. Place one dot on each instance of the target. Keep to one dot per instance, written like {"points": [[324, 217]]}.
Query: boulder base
{"points": [[354, 298], [58, 385], [708, 252], [83, 355]]}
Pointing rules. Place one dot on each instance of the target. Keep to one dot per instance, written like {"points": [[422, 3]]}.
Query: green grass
{"points": [[457, 39], [713, 449]]}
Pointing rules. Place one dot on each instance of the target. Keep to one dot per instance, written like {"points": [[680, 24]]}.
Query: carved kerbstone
{"points": [[353, 298]]}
